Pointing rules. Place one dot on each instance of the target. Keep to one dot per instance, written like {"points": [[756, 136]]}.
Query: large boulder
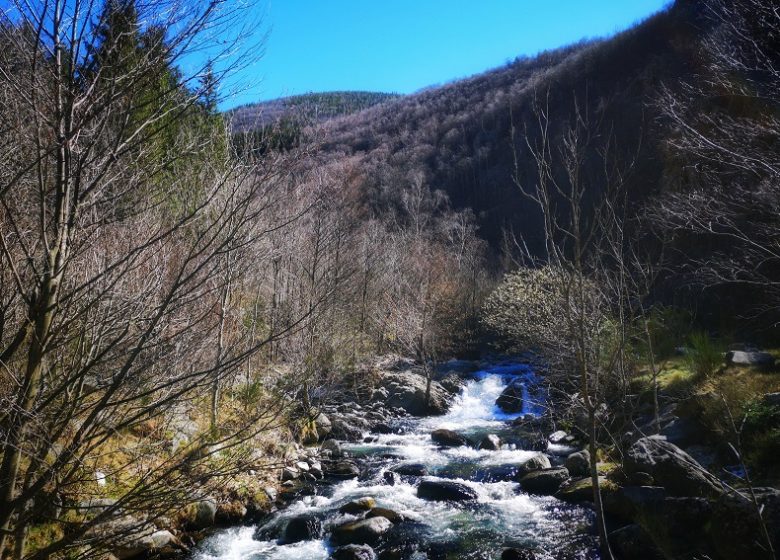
{"points": [[410, 469], [447, 438], [366, 531], [205, 513], [581, 490], [535, 462], [389, 514], [324, 426], [491, 442], [342, 469], [332, 448], [354, 552], [302, 528], [671, 467], [632, 543], [544, 481], [735, 528], [359, 506], [445, 490], [746, 358], [511, 398], [144, 544], [407, 390], [578, 463], [518, 554]]}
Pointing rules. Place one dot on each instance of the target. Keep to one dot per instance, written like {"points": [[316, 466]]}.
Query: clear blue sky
{"points": [[404, 45]]}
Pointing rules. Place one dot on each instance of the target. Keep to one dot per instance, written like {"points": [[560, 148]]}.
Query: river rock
{"points": [[145, 544], [447, 438], [393, 516], [365, 531], [581, 490], [331, 447], [743, 358], [544, 481], [289, 473], [578, 463], [511, 398], [632, 542], [536, 462], [411, 469], [354, 552], [324, 425], [230, 513], [518, 554], [356, 507], [390, 478], [348, 427], [671, 467], [342, 469], [735, 528], [445, 490], [406, 390], [490, 442], [205, 513], [302, 528]]}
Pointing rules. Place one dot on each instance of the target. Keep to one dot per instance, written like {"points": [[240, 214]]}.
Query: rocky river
{"points": [[436, 487]]}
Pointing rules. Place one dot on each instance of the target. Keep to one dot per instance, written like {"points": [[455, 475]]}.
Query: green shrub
{"points": [[705, 355]]}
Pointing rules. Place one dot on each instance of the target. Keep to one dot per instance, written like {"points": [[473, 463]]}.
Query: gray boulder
{"points": [[536, 462], [342, 469], [490, 442], [578, 463], [145, 544], [366, 531], [332, 447], [205, 513], [324, 425], [544, 481], [302, 528], [743, 358], [406, 390], [411, 469], [511, 399], [447, 438], [633, 542], [356, 507], [671, 467], [445, 490], [393, 516], [354, 552]]}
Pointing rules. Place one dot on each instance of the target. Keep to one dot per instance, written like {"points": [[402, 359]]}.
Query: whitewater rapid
{"points": [[503, 515]]}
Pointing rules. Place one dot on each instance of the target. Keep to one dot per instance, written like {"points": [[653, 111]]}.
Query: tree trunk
{"points": [[601, 525]]}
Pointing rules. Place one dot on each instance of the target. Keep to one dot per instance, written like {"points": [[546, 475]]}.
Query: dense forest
{"points": [[369, 325]]}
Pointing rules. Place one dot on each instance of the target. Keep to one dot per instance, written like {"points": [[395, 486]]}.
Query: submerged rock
{"points": [[544, 481], [365, 531], [445, 490], [671, 467], [447, 438], [302, 528]]}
